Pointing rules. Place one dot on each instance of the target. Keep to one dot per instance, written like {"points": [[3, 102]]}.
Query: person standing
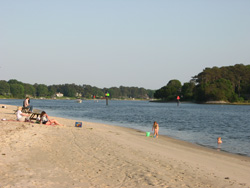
{"points": [[155, 128], [219, 141]]}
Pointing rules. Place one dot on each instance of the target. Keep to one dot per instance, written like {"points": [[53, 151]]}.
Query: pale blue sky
{"points": [[106, 43]]}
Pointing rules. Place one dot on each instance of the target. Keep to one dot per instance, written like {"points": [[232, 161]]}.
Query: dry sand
{"points": [[99, 155]]}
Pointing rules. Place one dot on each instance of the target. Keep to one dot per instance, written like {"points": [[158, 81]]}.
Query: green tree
{"points": [[187, 91], [150, 93], [238, 75], [97, 92], [217, 90], [124, 92], [199, 92], [42, 90], [142, 93], [115, 92], [170, 91], [14, 81], [173, 89], [29, 89], [69, 90], [159, 94], [4, 88], [88, 92], [133, 92], [53, 89], [17, 90]]}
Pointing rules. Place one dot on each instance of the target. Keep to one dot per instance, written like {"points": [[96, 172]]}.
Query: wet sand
{"points": [[99, 155]]}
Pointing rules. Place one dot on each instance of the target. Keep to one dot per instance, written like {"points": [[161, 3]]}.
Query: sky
{"points": [[113, 43]]}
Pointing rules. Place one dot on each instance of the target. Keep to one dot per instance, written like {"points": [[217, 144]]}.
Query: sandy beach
{"points": [[99, 155]]}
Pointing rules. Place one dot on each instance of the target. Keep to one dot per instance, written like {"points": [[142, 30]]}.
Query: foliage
{"points": [[53, 89], [17, 90], [4, 88], [71, 91], [170, 91], [13, 81], [217, 90], [230, 83], [129, 92], [29, 90], [42, 90], [187, 91]]}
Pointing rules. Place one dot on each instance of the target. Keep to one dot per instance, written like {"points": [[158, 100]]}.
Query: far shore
{"points": [[208, 102], [149, 100]]}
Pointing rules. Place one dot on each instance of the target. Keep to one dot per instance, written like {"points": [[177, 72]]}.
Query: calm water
{"points": [[196, 123]]}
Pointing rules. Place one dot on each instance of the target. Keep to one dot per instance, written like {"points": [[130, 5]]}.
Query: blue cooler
{"points": [[78, 124]]}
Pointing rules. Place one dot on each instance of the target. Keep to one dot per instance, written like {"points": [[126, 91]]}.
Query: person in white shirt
{"points": [[21, 116]]}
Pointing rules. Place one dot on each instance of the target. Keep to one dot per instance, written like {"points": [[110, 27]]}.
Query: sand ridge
{"points": [[99, 155]]}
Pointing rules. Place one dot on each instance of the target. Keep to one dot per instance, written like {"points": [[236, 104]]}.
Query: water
{"points": [[195, 123]]}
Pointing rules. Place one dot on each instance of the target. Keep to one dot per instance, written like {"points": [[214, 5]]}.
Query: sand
{"points": [[99, 155]]}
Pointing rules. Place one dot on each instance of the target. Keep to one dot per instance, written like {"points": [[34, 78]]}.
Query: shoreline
{"points": [[167, 136], [208, 102], [138, 130], [213, 147], [149, 100], [100, 155], [183, 142]]}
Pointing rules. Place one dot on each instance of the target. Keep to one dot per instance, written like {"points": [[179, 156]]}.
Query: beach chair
{"points": [[25, 110], [35, 114]]}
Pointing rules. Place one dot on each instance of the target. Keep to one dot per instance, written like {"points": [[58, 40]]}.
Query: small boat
{"points": [[79, 100]]}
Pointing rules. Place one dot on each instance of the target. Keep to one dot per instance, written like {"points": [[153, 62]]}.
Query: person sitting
{"points": [[20, 115], [44, 119], [26, 104]]}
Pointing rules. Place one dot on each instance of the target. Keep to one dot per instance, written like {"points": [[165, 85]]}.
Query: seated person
{"points": [[44, 119], [20, 115], [26, 103]]}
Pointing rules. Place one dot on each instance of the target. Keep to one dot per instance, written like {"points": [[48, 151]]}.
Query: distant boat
{"points": [[79, 100]]}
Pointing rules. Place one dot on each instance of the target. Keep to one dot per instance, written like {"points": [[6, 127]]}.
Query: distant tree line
{"points": [[231, 83], [17, 89]]}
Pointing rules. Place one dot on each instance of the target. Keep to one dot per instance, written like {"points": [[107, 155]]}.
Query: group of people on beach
{"points": [[25, 117], [45, 119]]}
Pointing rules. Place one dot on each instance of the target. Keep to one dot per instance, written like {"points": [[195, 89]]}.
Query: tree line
{"points": [[16, 89], [230, 83]]}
